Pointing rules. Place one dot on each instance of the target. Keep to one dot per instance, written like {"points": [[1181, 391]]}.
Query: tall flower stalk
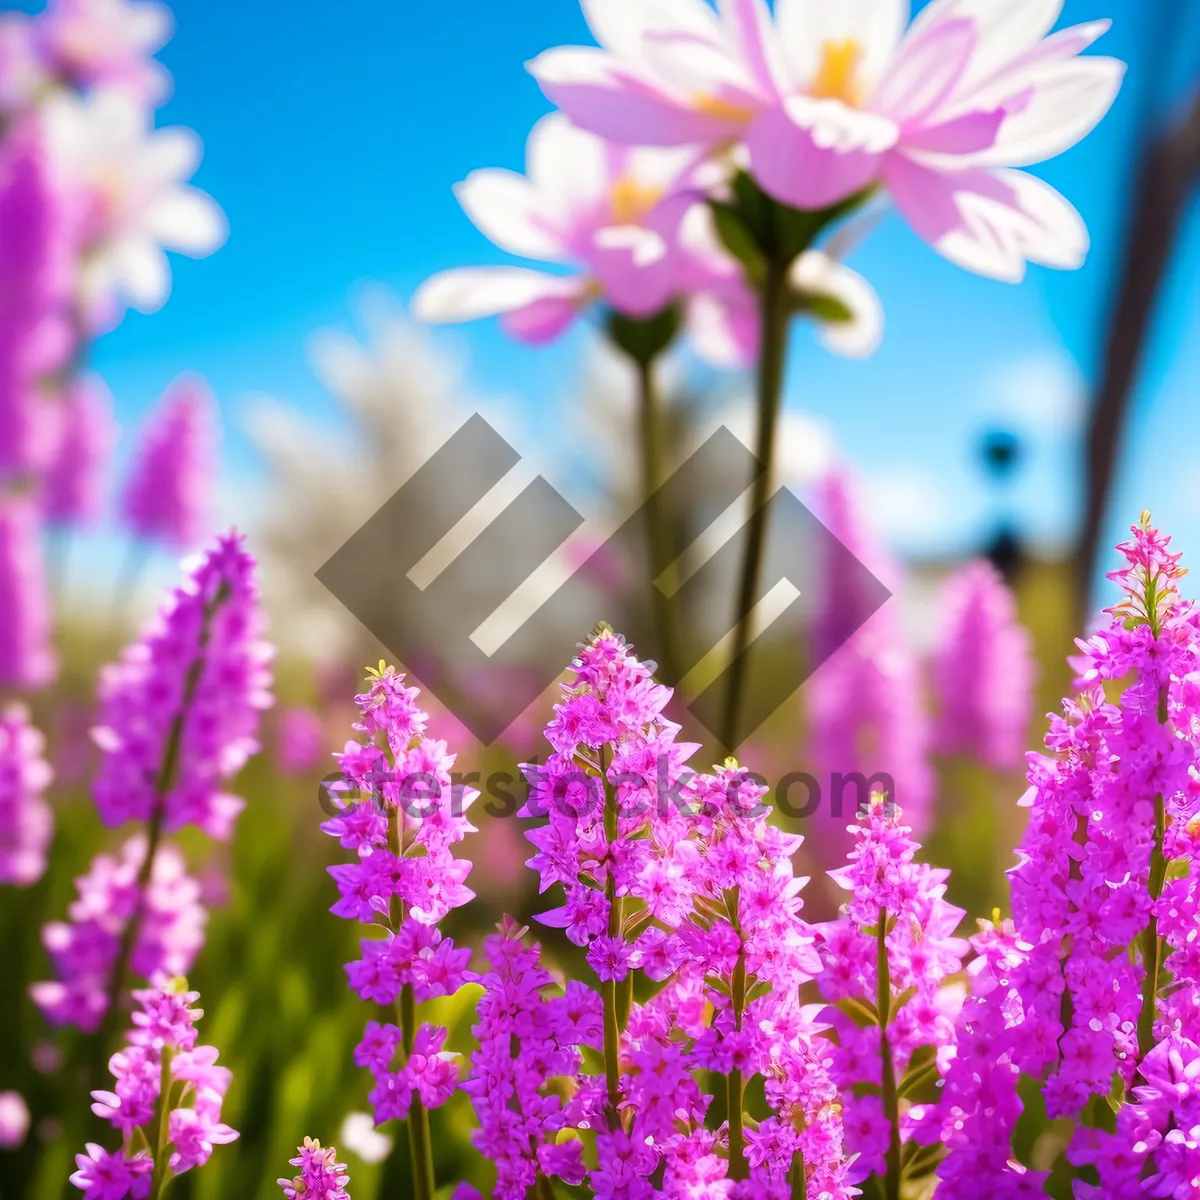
{"points": [[403, 814], [885, 961], [1077, 992], [178, 719]]}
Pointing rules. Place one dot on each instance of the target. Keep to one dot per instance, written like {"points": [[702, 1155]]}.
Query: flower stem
{"points": [[658, 533], [612, 1021], [739, 1168], [891, 1101], [773, 309], [1151, 942], [158, 1181], [420, 1143]]}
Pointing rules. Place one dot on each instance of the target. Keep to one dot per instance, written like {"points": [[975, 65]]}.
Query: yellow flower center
{"points": [[837, 76], [723, 110], [631, 200]]}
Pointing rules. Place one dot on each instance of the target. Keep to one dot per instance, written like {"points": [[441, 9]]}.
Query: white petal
{"points": [[1067, 101], [172, 155], [702, 70], [189, 221], [1007, 28], [474, 292], [661, 167], [140, 267], [506, 209], [816, 273], [836, 126], [807, 26], [569, 169], [997, 239], [622, 25]]}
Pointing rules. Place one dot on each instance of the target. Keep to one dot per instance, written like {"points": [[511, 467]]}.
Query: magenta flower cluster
{"points": [[1092, 988], [84, 950], [321, 1176], [403, 814], [178, 718], [179, 712], [165, 1101]]}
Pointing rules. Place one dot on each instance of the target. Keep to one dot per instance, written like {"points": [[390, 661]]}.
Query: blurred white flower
{"points": [[136, 201], [89, 43], [400, 399], [359, 1135]]}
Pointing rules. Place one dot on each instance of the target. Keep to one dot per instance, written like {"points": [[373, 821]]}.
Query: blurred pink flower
{"points": [[864, 701], [36, 246], [301, 743], [14, 1120], [27, 659], [26, 822], [90, 42], [168, 493], [73, 487], [984, 670], [828, 99]]}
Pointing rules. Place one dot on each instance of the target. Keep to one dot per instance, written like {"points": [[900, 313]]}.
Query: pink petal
{"points": [[541, 322], [605, 99], [990, 222], [757, 43], [962, 135], [814, 165]]}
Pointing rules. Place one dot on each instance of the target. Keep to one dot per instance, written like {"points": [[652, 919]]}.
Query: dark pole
{"points": [[1168, 175]]}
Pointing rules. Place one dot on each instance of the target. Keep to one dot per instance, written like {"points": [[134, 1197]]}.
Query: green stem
{"points": [[420, 1143], [612, 1020], [799, 1177], [739, 1167], [154, 827], [657, 527], [1151, 942], [891, 1101], [773, 309], [158, 1181]]}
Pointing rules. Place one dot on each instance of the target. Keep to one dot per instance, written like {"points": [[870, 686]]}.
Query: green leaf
{"points": [[861, 1012], [826, 308], [739, 240], [717, 984], [644, 339]]}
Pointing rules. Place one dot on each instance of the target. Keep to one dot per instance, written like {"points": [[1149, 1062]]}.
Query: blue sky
{"points": [[334, 132]]}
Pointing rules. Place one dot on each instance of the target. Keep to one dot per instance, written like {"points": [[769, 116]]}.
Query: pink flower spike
{"points": [[27, 659], [73, 487], [168, 492]]}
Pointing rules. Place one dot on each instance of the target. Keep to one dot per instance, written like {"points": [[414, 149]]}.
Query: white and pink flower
{"points": [[634, 224], [828, 99]]}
